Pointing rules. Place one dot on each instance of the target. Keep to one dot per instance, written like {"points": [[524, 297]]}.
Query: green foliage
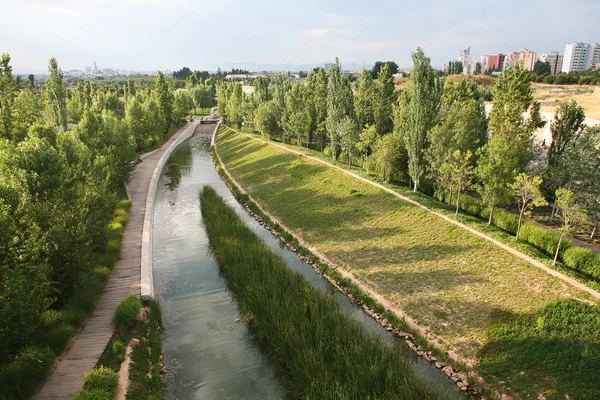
{"points": [[56, 95], [562, 337], [101, 383], [126, 312], [340, 104], [379, 65], [329, 354], [566, 126], [30, 366], [424, 92], [266, 120], [118, 349]]}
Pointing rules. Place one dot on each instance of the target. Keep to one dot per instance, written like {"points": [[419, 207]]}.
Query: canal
{"points": [[208, 353]]}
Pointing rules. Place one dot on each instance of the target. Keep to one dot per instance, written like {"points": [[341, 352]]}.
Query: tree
{"points": [[316, 103], [7, 93], [56, 95], [541, 68], [164, 95], [422, 113], [526, 191], [267, 121], [463, 126], [477, 68], [261, 90], [457, 173], [392, 67], [182, 74], [388, 157], [349, 136], [367, 140], [385, 96], [364, 99], [31, 79], [182, 105], [572, 214], [497, 167], [339, 105], [566, 126]]}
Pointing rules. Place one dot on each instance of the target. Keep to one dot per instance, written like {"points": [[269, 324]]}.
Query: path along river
{"points": [[208, 354]]}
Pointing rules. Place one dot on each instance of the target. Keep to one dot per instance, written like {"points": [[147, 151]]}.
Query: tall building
{"points": [[510, 60], [580, 56], [466, 58], [494, 62], [483, 62], [554, 59], [527, 58]]}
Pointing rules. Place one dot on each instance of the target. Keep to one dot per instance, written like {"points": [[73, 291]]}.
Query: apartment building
{"points": [[554, 59], [580, 56]]}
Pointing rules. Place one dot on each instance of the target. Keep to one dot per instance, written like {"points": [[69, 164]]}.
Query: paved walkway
{"points": [[511, 250], [86, 349]]}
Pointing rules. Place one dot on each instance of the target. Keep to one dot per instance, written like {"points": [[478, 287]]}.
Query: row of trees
{"points": [[64, 157], [434, 128]]}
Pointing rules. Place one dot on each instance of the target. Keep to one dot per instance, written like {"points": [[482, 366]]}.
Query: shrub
{"points": [[100, 383], [59, 336], [18, 379], [506, 221], [126, 312], [581, 259], [119, 349]]}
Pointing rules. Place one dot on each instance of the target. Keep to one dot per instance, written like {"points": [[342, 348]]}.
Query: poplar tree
{"points": [[566, 126], [340, 104], [364, 99], [164, 95], [7, 93], [421, 114], [385, 96], [56, 95], [316, 103]]}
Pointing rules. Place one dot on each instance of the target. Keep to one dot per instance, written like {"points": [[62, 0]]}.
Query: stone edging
{"points": [[146, 275]]}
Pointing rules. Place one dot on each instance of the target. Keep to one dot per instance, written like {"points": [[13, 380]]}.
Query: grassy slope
{"points": [[446, 278], [321, 352]]}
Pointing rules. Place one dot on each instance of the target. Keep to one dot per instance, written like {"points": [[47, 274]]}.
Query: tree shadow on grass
{"points": [[554, 351]]}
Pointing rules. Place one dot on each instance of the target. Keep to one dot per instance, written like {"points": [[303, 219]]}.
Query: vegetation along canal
{"points": [[209, 354]]}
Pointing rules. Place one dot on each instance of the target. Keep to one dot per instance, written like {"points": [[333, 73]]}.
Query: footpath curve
{"points": [[511, 250], [125, 278]]}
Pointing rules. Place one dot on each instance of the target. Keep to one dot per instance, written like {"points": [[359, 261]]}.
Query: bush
{"points": [[126, 312], [584, 260], [59, 336], [19, 378], [506, 221], [119, 349], [539, 237], [100, 383]]}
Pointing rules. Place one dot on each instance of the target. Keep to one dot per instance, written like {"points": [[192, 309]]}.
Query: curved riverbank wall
{"points": [[146, 279]]}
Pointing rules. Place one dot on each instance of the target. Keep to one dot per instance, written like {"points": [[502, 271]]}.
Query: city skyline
{"points": [[145, 35]]}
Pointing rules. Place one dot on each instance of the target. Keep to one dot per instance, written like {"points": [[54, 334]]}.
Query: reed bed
{"points": [[321, 352]]}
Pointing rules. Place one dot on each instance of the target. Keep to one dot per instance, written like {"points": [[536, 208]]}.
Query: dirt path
{"points": [[511, 250], [87, 347]]}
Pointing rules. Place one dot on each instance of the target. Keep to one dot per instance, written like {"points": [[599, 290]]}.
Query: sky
{"points": [[168, 34]]}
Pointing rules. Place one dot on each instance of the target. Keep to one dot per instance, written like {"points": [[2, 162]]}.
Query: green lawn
{"points": [[469, 292]]}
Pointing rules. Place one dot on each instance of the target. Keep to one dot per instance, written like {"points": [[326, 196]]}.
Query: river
{"points": [[209, 355]]}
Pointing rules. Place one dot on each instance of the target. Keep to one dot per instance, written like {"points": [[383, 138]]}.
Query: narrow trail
{"points": [[511, 250], [87, 347]]}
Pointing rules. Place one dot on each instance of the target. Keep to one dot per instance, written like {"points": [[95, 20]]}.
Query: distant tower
{"points": [[95, 69]]}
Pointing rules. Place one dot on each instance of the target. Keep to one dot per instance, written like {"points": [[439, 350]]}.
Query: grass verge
{"points": [[145, 380], [458, 285], [322, 352]]}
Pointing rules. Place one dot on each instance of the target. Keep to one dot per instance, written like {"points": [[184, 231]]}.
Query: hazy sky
{"points": [[168, 34]]}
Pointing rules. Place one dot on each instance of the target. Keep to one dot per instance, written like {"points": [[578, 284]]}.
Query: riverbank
{"points": [[321, 352], [454, 285]]}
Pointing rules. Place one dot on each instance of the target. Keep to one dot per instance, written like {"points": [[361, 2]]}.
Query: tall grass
{"points": [[323, 353]]}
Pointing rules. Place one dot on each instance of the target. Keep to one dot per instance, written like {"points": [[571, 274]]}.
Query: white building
{"points": [[466, 58], [554, 59], [580, 56]]}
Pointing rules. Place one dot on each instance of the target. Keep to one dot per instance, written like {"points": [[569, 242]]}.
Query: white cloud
{"points": [[56, 10], [319, 32]]}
